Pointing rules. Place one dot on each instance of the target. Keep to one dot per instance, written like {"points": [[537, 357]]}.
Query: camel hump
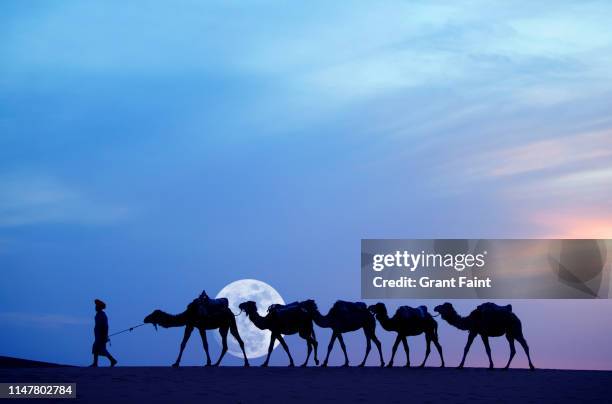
{"points": [[220, 303], [284, 308], [207, 306], [492, 307], [344, 305], [411, 312]]}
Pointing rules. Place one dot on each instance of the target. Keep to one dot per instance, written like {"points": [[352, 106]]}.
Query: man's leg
{"points": [[112, 360]]}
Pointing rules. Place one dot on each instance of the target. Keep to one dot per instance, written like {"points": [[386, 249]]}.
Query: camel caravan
{"points": [[203, 313]]}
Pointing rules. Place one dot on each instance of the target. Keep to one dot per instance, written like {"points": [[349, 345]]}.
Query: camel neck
{"points": [[259, 321], [173, 320], [386, 322], [321, 320], [454, 319]]}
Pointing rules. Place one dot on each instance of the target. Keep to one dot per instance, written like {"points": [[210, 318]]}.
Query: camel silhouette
{"points": [[408, 321], [487, 320], [284, 320], [204, 314], [346, 317]]}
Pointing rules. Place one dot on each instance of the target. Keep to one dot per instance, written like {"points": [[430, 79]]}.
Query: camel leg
{"points": [[523, 343], [186, 335], [205, 344], [427, 350], [471, 337], [379, 347], [306, 336], [407, 350], [223, 332], [236, 335], [315, 344], [485, 341], [270, 348], [434, 339], [329, 348], [341, 340], [309, 351], [398, 338], [286, 348], [368, 347], [510, 339]]}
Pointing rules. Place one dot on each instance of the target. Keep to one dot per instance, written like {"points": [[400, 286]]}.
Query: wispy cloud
{"points": [[560, 153], [42, 320], [348, 53], [37, 199]]}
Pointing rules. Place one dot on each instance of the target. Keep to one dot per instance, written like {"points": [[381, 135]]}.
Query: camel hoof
{"points": [[421, 366], [175, 365], [246, 364], [303, 365], [490, 368], [207, 365], [460, 367], [390, 364], [264, 365], [346, 365], [324, 365], [316, 362], [442, 365], [407, 365], [531, 367], [291, 365], [382, 364]]}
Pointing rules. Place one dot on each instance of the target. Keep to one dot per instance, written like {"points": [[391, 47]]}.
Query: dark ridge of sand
{"points": [[294, 385], [8, 362]]}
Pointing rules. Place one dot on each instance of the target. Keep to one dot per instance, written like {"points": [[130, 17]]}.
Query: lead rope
{"points": [[122, 331]]}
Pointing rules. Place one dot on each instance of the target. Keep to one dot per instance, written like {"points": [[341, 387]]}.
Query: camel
{"points": [[284, 320], [487, 320], [346, 317], [408, 321], [204, 314]]}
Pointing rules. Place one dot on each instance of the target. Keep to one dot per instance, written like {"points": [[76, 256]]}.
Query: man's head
{"points": [[100, 305]]}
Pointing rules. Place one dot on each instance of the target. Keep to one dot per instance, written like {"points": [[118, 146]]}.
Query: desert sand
{"points": [[293, 385]]}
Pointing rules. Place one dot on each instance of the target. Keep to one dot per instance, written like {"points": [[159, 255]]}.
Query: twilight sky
{"points": [[149, 151]]}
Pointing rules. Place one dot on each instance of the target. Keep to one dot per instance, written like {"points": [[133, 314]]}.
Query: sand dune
{"points": [[9, 362], [234, 384]]}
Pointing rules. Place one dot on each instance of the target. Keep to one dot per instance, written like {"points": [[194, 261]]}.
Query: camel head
{"points": [[378, 308], [445, 309], [154, 318], [249, 307]]}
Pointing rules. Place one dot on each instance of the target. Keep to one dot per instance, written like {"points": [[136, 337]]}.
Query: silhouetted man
{"points": [[101, 335]]}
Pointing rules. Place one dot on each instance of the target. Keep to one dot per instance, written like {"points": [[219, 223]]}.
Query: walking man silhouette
{"points": [[101, 335]]}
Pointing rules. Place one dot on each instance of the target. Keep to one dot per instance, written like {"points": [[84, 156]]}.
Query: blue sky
{"points": [[150, 151]]}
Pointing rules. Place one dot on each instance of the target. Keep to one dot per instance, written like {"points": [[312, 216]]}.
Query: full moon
{"points": [[256, 341]]}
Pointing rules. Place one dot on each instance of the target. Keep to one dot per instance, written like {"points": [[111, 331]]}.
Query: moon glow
{"points": [[256, 341]]}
